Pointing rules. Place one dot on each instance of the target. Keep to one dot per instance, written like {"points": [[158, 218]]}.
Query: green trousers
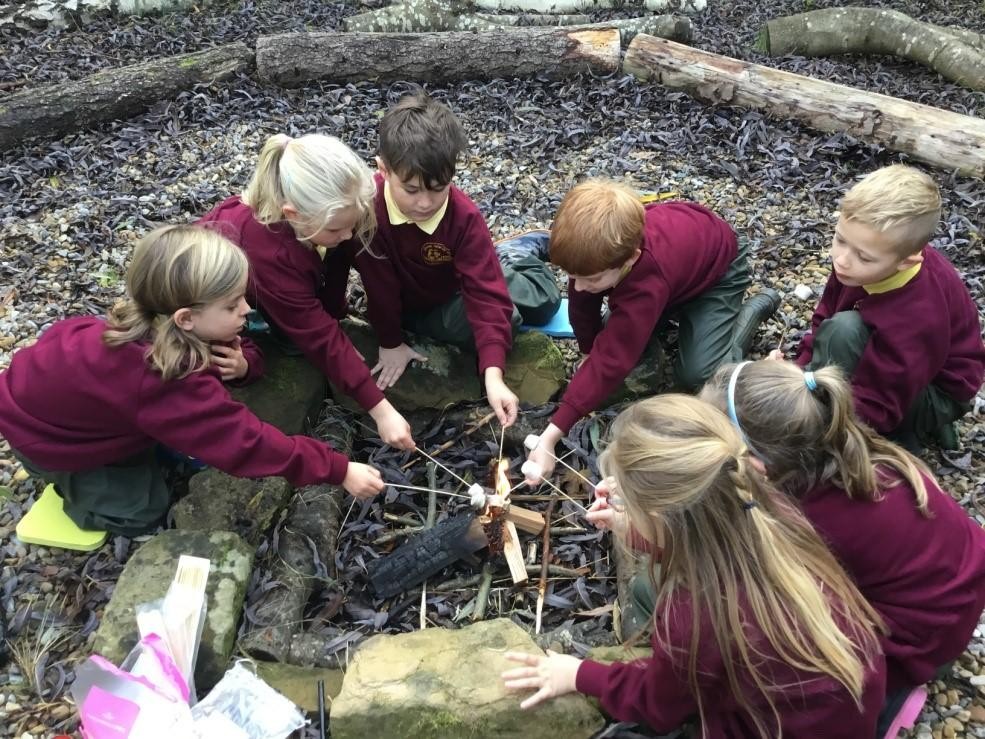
{"points": [[840, 341], [637, 614], [532, 288], [130, 497], [706, 325]]}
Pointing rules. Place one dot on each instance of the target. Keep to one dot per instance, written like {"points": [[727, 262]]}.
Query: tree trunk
{"points": [[941, 138], [114, 93], [956, 54], [294, 59], [580, 6]]}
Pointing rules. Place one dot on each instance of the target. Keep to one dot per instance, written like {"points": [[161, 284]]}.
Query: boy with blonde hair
{"points": [[675, 258], [895, 315]]}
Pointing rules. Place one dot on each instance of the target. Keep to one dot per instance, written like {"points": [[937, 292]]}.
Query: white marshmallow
{"points": [[531, 441], [477, 495], [803, 292], [531, 470]]}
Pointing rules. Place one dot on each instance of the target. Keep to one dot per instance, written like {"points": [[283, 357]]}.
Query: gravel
{"points": [[70, 209]]}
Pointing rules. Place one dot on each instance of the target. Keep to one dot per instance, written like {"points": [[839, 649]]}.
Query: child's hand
{"points": [[551, 676], [601, 513], [230, 360], [391, 363], [362, 481], [392, 427], [501, 399], [543, 454], [776, 354]]}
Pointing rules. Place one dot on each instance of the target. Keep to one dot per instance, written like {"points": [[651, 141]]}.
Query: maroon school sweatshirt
{"points": [[925, 576], [71, 403], [926, 331], [686, 249], [656, 691], [301, 294], [416, 271]]}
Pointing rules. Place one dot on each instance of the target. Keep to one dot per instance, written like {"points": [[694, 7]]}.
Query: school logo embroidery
{"points": [[435, 253]]}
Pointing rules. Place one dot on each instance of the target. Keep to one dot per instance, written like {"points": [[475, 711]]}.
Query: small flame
{"points": [[502, 481]]}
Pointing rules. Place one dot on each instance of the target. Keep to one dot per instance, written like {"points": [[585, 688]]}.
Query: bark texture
{"points": [[114, 93], [955, 53], [940, 138], [294, 59]]}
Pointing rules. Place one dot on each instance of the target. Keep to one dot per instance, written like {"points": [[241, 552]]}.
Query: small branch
{"points": [[545, 554], [396, 534], [405, 520], [567, 530], [432, 496], [482, 597], [558, 571], [458, 583], [451, 442]]}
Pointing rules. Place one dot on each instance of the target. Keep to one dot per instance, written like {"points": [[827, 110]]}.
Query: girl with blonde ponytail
{"points": [[915, 554], [758, 632], [85, 407], [301, 220]]}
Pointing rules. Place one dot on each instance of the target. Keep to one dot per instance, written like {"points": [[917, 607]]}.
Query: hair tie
{"points": [[730, 398], [749, 505], [810, 381]]}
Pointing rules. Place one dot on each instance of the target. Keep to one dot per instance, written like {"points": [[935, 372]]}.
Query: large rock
{"points": [[534, 371], [289, 395], [220, 502], [445, 684], [146, 578]]}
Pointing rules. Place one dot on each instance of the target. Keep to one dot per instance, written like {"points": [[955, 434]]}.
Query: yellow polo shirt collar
{"points": [[397, 217], [894, 281]]}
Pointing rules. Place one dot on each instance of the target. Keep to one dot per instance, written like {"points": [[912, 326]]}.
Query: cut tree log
{"points": [[943, 139], [955, 53], [579, 6], [114, 93], [416, 16], [294, 59]]}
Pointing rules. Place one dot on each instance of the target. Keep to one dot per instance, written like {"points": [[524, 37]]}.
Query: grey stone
{"points": [[220, 502], [289, 395], [300, 684], [146, 578], [445, 684], [534, 371]]}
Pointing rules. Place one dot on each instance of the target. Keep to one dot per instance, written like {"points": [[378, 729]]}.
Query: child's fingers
{"points": [[518, 673], [522, 657], [539, 697], [523, 683]]}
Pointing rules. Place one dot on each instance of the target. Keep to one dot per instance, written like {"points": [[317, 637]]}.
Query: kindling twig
{"points": [[396, 534], [482, 597], [432, 497], [425, 490], [451, 442], [544, 562], [450, 472]]}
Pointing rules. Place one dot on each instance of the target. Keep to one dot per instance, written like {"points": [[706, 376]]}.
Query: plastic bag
{"points": [[250, 704]]}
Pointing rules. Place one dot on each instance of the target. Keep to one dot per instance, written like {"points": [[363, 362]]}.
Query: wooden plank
{"points": [[525, 519], [514, 553]]}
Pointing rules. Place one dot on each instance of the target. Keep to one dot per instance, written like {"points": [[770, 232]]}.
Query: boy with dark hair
{"points": [[674, 258], [432, 267], [895, 315]]}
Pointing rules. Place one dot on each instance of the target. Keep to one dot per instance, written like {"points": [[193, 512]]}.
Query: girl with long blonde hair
{"points": [[85, 407], [915, 554], [757, 631], [306, 213]]}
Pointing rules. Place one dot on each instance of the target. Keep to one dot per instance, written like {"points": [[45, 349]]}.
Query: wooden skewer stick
{"points": [[425, 490], [531, 443], [545, 553], [451, 442], [565, 495]]}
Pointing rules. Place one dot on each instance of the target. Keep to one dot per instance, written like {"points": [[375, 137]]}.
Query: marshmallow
{"points": [[531, 441], [803, 292], [531, 470], [477, 495]]}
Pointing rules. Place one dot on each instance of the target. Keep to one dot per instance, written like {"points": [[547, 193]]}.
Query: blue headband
{"points": [[810, 381], [730, 398]]}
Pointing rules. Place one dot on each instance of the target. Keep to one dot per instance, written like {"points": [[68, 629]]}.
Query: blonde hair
{"points": [[598, 226], [175, 267], [741, 552], [900, 199], [319, 176], [810, 437]]}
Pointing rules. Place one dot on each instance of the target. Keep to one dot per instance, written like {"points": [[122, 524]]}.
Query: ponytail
{"points": [[174, 267]]}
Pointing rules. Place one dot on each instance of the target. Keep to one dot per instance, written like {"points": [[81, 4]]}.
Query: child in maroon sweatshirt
{"points": [[648, 262], [915, 554], [432, 267], [84, 407], [757, 631], [307, 197], [895, 315]]}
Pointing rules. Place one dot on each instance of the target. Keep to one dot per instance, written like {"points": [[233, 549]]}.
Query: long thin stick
{"points": [[584, 479], [451, 442], [432, 497], [482, 597], [565, 495], [545, 553], [426, 490], [502, 438]]}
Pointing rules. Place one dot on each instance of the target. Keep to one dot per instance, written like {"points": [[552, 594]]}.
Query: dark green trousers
{"points": [[840, 341], [532, 288], [637, 614], [130, 497], [706, 325]]}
